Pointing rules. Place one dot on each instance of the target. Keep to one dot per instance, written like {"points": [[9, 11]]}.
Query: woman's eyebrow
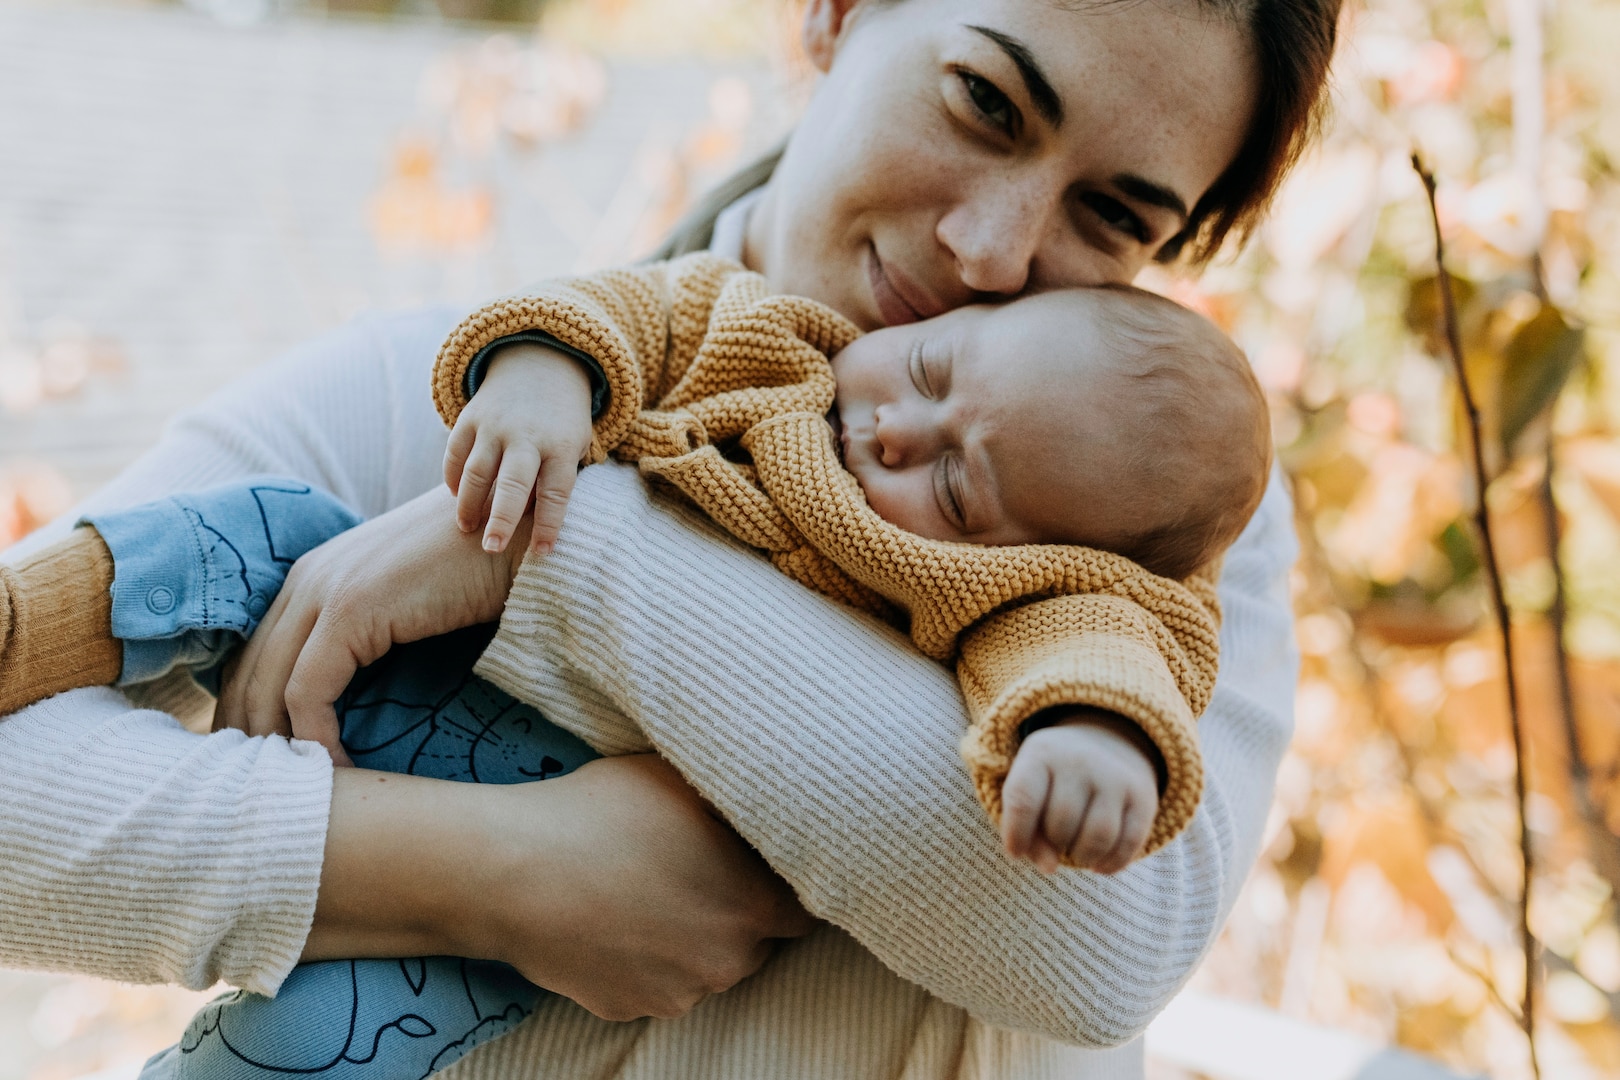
{"points": [[1152, 194], [1045, 98]]}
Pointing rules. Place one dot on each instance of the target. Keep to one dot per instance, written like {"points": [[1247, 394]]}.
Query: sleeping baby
{"points": [[1038, 491]]}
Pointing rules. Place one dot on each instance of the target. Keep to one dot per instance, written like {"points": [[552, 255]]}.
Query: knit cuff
{"points": [[581, 333], [1092, 677], [140, 852], [54, 621], [479, 366]]}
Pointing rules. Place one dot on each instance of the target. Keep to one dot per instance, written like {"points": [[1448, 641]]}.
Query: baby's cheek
{"points": [[899, 499]]}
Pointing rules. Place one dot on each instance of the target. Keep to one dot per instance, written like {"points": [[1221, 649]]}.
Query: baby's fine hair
{"points": [[1200, 468]]}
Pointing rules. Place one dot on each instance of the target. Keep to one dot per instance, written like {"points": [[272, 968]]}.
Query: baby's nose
{"points": [[900, 437]]}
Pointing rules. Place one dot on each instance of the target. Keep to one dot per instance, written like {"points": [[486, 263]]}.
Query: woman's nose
{"points": [[995, 236]]}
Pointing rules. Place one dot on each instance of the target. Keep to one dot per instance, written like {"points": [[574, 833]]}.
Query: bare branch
{"points": [[1602, 844], [1482, 521]]}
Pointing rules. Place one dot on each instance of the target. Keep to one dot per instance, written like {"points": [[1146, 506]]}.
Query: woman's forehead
{"points": [[1161, 88]]}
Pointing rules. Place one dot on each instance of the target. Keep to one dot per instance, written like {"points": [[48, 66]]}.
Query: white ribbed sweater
{"points": [[132, 849]]}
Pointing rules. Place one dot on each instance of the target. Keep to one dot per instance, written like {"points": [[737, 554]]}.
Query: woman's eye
{"points": [[992, 104], [1116, 215]]}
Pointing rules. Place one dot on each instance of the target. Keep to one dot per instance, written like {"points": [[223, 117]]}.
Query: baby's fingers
{"points": [[1023, 795], [557, 476], [1133, 834], [519, 467], [1100, 832], [1045, 857], [477, 482], [456, 451]]}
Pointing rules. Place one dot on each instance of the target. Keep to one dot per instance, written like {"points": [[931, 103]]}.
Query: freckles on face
{"points": [[968, 150]]}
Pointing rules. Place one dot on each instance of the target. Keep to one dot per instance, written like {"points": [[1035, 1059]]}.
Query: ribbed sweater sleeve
{"points": [[137, 851], [132, 848], [55, 614], [831, 746]]}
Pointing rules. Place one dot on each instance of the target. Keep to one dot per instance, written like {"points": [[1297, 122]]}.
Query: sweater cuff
{"points": [[141, 852], [577, 326], [54, 622], [1091, 677], [194, 574], [478, 367]]}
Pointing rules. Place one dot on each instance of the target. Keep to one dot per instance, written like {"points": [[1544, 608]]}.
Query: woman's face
{"points": [[963, 151]]}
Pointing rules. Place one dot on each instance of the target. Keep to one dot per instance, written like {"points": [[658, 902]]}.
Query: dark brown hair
{"points": [[1293, 44]]}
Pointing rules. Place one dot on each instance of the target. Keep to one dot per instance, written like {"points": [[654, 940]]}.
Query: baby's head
{"points": [[1109, 417]]}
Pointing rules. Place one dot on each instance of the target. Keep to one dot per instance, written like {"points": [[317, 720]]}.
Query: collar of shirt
{"points": [[731, 226]]}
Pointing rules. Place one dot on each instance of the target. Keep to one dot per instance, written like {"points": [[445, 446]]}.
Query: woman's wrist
{"points": [[406, 867]]}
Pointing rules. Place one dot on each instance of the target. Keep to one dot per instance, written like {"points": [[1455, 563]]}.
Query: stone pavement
{"points": [[199, 195]]}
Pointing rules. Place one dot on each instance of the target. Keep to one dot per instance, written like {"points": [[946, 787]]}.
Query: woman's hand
{"points": [[404, 576], [615, 885]]}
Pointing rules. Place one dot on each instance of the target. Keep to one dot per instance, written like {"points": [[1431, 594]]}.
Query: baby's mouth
{"points": [[840, 440]]}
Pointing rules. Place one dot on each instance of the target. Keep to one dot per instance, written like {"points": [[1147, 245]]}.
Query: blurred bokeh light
{"points": [[192, 188]]}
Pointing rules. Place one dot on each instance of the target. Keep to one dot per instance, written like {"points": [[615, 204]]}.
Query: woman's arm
{"points": [[614, 886], [135, 850], [132, 849], [832, 747]]}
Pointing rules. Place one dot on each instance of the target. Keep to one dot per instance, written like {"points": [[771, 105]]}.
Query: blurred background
{"points": [[190, 188]]}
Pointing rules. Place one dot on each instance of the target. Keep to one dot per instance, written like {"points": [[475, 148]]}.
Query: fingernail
{"points": [[492, 544]]}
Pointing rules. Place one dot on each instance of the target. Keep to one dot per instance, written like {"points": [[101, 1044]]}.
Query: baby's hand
{"points": [[1082, 788], [523, 434]]}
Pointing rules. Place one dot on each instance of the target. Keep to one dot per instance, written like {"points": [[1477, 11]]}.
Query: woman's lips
{"points": [[899, 299]]}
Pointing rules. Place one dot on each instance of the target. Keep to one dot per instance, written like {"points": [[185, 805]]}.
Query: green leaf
{"points": [[1424, 315], [1538, 362], [1457, 543]]}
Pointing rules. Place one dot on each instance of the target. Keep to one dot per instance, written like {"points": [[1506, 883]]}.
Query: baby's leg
{"points": [[418, 710]]}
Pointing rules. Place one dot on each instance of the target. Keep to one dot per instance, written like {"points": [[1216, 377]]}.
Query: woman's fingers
{"points": [[634, 900], [321, 672], [509, 499], [272, 652], [235, 708], [404, 576]]}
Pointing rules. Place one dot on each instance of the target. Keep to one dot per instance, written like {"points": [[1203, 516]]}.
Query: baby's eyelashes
{"points": [[919, 371]]}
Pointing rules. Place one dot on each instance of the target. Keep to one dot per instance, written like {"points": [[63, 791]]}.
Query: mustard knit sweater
{"points": [[701, 359]]}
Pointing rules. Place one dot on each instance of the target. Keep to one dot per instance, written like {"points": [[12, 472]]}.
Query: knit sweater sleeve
{"points": [[55, 615], [1150, 658], [642, 324], [830, 744]]}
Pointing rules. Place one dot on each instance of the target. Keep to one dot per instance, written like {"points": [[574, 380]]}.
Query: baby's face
{"points": [[992, 425]]}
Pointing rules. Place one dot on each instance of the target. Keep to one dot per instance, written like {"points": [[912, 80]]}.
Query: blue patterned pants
{"points": [[419, 710]]}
